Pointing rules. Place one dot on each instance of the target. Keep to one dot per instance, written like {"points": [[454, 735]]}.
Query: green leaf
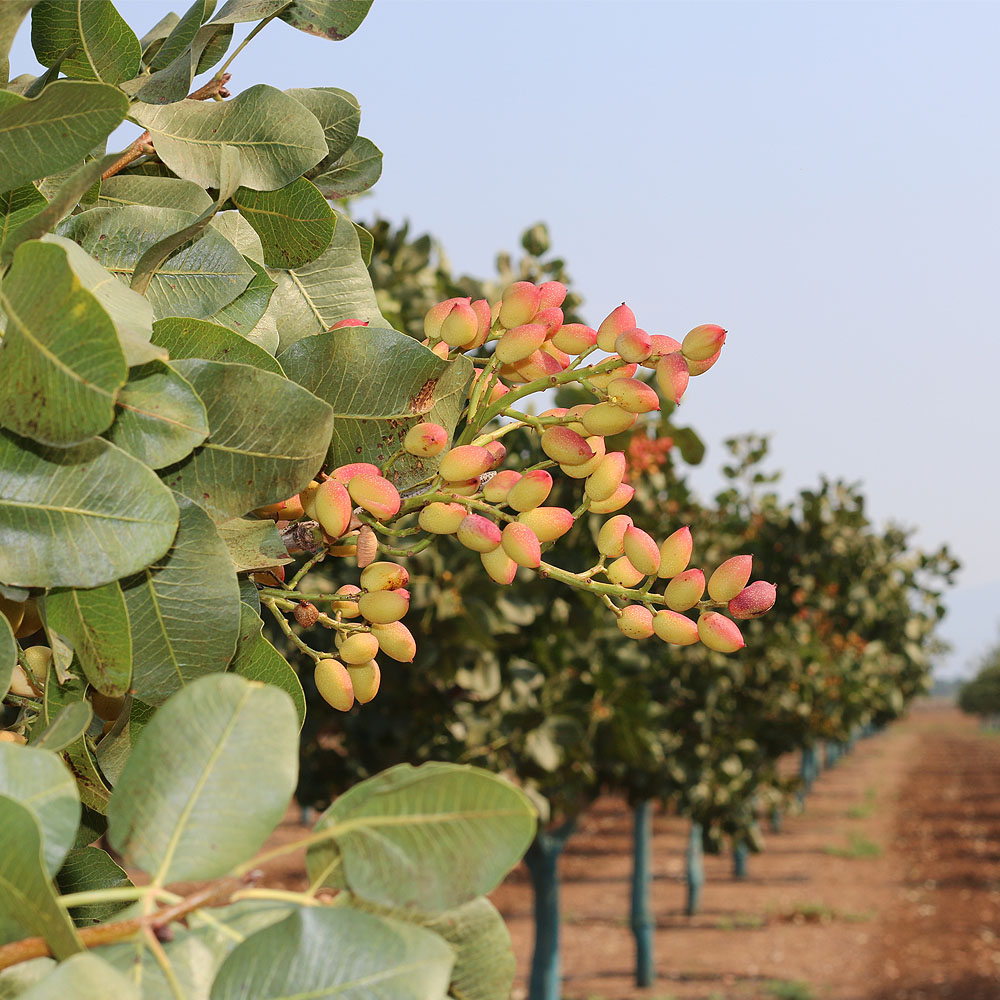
{"points": [[65, 729], [340, 115], [295, 223], [25, 889], [12, 13], [367, 244], [105, 47], [60, 127], [255, 454], [249, 594], [253, 544], [220, 739], [83, 977], [95, 623], [86, 869], [130, 312], [160, 418], [62, 361], [197, 280], [380, 383], [325, 953], [158, 192], [257, 660], [183, 610], [247, 310], [216, 46], [277, 138], [157, 34], [17, 206], [241, 234], [115, 748], [182, 35], [333, 287], [196, 338], [41, 782], [356, 171], [333, 19], [8, 653], [428, 838], [78, 517]]}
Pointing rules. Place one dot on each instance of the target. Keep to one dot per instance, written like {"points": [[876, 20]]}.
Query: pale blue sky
{"points": [[820, 178]]}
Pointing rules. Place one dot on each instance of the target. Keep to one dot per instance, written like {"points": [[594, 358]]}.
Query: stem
{"points": [[392, 550], [126, 894], [246, 41], [308, 565], [282, 895], [153, 943], [269, 603]]}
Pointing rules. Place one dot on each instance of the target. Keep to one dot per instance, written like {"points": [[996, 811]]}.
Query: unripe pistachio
{"points": [[396, 641], [347, 601], [551, 319], [39, 659], [623, 574], [603, 380], [496, 490], [521, 544], [384, 576], [334, 684], [366, 548], [308, 498], [425, 439], [461, 326], [348, 322], [284, 510], [333, 508], [271, 577], [484, 316], [753, 601], [636, 621], [560, 357], [342, 549], [587, 468], [574, 338], [700, 367], [548, 523], [702, 342], [719, 633], [675, 628], [365, 679], [675, 553], [104, 705], [642, 551], [13, 611], [730, 578], [498, 451], [520, 343], [500, 567], [384, 606], [467, 461], [578, 411], [611, 537], [634, 345], [530, 491], [478, 533], [607, 418], [551, 294], [617, 322], [306, 614], [22, 685], [684, 590], [442, 518], [435, 316], [672, 376], [358, 647], [607, 477], [565, 446], [554, 411], [541, 364], [345, 473], [497, 389], [441, 349], [518, 304], [31, 622], [6, 736], [632, 395], [465, 488], [662, 346], [620, 498]]}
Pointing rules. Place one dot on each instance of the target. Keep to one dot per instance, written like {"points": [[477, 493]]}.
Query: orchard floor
{"points": [[919, 921]]}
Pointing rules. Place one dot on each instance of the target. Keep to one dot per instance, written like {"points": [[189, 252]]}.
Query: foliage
{"points": [[981, 694]]}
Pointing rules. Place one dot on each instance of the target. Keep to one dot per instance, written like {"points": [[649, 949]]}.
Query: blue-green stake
{"points": [[642, 911], [694, 870], [542, 860], [741, 854], [776, 819]]}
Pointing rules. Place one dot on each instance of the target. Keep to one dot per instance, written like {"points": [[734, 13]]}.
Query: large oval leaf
{"points": [[428, 838], [197, 338], [78, 517], [62, 361], [342, 953], [197, 280], [340, 115], [277, 137], [86, 869], [83, 977], [220, 739], [159, 192], [268, 437], [160, 418], [60, 127], [8, 652], [333, 287], [17, 206], [183, 611], [69, 724], [404, 383], [356, 171], [245, 314]]}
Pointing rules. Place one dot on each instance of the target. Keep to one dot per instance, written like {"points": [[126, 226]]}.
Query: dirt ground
{"points": [[906, 908]]}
